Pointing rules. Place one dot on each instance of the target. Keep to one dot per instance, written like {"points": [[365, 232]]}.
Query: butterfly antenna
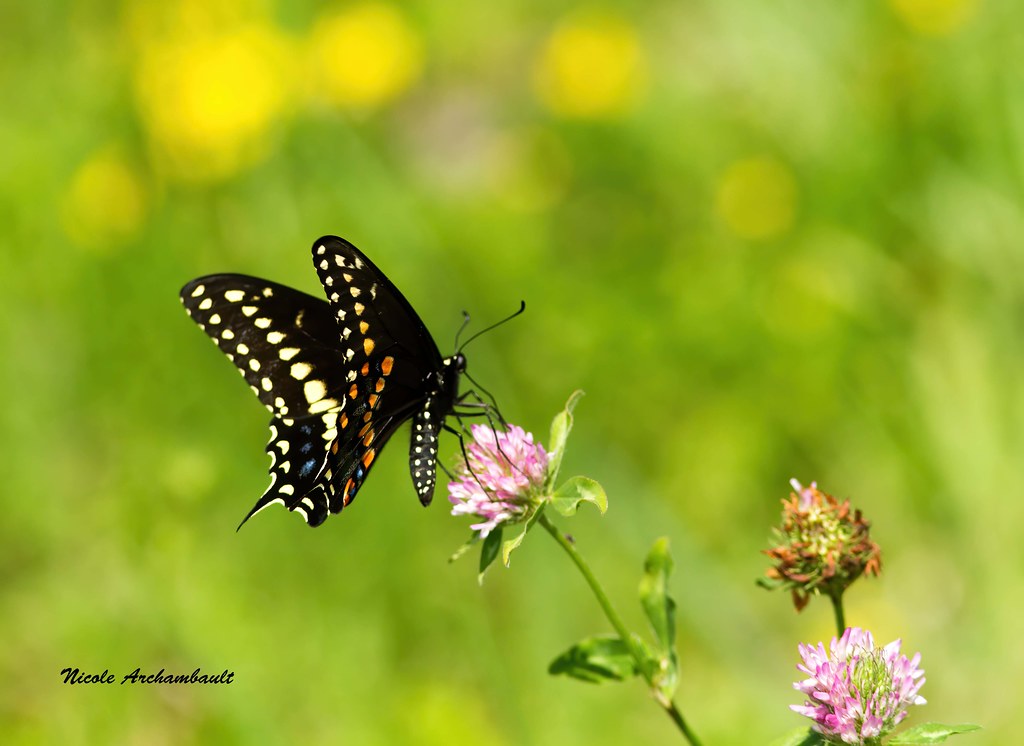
{"points": [[465, 323], [522, 307]]}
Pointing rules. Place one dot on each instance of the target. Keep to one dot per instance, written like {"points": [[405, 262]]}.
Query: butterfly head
{"points": [[456, 362]]}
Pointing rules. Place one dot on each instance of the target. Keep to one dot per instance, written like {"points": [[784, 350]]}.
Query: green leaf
{"points": [[513, 543], [568, 497], [800, 737], [931, 733], [596, 659], [560, 428], [658, 605], [660, 610], [489, 552]]}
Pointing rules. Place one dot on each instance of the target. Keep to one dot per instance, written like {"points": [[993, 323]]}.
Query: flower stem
{"points": [[609, 611], [837, 607]]}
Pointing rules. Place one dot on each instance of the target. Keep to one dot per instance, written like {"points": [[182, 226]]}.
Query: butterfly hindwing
{"points": [[298, 452]]}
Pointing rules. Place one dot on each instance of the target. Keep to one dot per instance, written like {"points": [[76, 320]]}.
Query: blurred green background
{"points": [[769, 241]]}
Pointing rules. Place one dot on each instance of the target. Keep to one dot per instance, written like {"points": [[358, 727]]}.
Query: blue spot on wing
{"points": [[307, 467]]}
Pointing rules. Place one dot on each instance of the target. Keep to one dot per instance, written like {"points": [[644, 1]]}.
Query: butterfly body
{"points": [[339, 376]]}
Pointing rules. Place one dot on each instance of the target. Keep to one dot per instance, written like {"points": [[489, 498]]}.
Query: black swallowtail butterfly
{"points": [[339, 376]]}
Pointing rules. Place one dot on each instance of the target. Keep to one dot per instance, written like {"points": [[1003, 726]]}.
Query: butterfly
{"points": [[339, 376]]}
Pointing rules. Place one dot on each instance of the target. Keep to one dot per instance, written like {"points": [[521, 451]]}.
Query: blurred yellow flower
{"points": [[757, 198], [934, 17], [210, 99], [105, 203], [592, 66], [364, 56]]}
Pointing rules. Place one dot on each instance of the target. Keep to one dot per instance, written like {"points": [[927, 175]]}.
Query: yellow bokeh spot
{"points": [[364, 56], [934, 17], [210, 101], [105, 203], [757, 198], [591, 67]]}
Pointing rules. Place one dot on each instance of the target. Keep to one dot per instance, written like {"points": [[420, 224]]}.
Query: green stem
{"points": [[620, 627], [837, 607]]}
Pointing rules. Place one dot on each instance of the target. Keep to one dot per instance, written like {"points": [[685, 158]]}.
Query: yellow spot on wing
{"points": [[314, 390], [323, 405], [301, 370], [367, 345], [233, 296]]}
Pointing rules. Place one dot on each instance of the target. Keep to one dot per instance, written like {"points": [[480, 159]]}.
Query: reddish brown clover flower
{"points": [[821, 546]]}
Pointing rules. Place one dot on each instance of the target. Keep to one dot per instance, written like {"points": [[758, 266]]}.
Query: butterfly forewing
{"points": [[282, 341], [377, 322]]}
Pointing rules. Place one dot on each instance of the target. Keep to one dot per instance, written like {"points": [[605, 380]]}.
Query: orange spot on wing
{"points": [[386, 365], [353, 392], [365, 370], [363, 326], [367, 416], [368, 458], [345, 499], [379, 385], [368, 439], [343, 422], [334, 447], [373, 400]]}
